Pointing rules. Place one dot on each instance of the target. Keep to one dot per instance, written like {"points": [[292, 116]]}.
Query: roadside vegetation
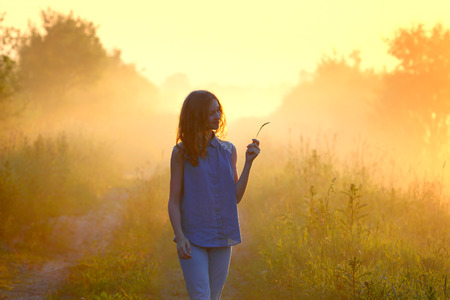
{"points": [[319, 221]]}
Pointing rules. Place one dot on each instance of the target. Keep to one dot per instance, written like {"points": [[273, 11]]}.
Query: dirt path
{"points": [[88, 233], [91, 233]]}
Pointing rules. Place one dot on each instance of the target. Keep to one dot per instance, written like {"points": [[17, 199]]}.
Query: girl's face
{"points": [[214, 115]]}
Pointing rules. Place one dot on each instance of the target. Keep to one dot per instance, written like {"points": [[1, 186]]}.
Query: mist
{"points": [[347, 199], [75, 84], [332, 109]]}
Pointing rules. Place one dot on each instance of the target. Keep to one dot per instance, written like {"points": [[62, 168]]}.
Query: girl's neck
{"points": [[211, 135]]}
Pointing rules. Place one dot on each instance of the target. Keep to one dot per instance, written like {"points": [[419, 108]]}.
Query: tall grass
{"points": [[313, 228], [44, 178], [130, 267], [323, 231]]}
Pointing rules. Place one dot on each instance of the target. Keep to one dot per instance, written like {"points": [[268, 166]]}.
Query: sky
{"points": [[250, 53], [244, 42]]}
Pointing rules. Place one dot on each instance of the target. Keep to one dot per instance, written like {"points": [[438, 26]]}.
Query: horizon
{"points": [[263, 46]]}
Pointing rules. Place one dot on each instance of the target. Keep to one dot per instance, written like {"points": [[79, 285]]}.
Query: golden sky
{"points": [[240, 42]]}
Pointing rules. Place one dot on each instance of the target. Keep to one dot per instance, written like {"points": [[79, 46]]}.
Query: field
{"points": [[313, 227], [349, 198]]}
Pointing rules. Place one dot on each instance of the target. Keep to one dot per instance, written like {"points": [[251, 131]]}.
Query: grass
{"points": [[41, 180], [313, 228], [130, 266], [320, 235]]}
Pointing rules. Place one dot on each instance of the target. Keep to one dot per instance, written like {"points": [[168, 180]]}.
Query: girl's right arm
{"points": [[176, 187]]}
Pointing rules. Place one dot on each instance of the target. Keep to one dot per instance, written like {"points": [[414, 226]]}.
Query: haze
{"points": [[349, 197], [308, 67], [240, 43]]}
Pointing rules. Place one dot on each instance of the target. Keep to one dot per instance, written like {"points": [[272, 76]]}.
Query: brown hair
{"points": [[192, 126]]}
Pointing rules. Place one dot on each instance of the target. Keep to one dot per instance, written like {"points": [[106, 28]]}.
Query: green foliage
{"points": [[352, 213], [349, 279], [65, 71], [347, 242], [130, 267], [336, 96], [67, 79], [129, 275], [47, 178], [308, 236], [9, 38], [9, 78], [414, 99], [67, 54], [317, 228]]}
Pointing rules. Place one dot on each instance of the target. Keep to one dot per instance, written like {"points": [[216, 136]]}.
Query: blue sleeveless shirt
{"points": [[209, 215]]}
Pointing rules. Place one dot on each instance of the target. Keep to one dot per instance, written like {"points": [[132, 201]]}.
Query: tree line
{"points": [[406, 108], [62, 69]]}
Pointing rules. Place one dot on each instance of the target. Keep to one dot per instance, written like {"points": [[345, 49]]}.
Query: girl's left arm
{"points": [[241, 182]]}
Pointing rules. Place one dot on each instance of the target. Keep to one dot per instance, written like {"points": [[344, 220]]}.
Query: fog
{"points": [[395, 119], [332, 111], [332, 115], [351, 157]]}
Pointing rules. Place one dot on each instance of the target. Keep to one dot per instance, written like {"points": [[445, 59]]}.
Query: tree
{"points": [[335, 98], [8, 78], [415, 100], [9, 82], [67, 54]]}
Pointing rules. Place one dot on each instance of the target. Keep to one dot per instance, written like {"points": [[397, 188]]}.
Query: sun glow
{"points": [[240, 42]]}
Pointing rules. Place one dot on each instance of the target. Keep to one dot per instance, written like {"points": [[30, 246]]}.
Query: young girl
{"points": [[204, 192]]}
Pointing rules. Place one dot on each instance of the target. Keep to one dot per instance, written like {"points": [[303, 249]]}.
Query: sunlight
{"points": [[236, 43], [348, 198]]}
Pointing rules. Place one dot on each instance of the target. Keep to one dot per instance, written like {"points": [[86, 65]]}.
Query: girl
{"points": [[204, 192]]}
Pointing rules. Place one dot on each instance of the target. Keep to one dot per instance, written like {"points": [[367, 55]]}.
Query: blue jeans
{"points": [[206, 272]]}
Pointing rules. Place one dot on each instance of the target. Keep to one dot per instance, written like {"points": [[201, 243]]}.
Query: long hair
{"points": [[192, 126]]}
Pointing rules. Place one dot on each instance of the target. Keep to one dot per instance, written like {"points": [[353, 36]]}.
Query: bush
{"points": [[46, 178], [322, 232]]}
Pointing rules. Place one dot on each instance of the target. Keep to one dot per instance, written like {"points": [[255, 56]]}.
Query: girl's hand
{"points": [[184, 248], [252, 150]]}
